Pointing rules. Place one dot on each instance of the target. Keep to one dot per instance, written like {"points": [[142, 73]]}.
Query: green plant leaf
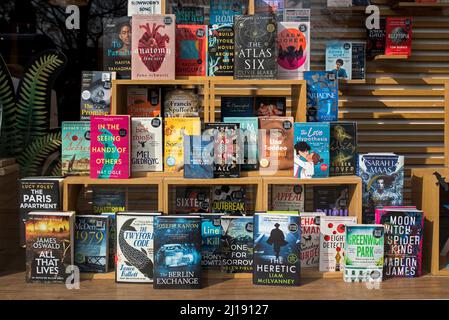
{"points": [[8, 143]]}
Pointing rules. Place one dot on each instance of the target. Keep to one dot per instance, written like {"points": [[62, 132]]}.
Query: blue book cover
{"points": [[311, 147], [108, 199], [221, 50], [210, 240], [112, 237], [382, 182], [339, 59], [223, 11], [237, 107], [198, 157], [92, 243], [75, 149], [322, 96], [277, 249], [177, 249], [188, 15], [248, 138]]}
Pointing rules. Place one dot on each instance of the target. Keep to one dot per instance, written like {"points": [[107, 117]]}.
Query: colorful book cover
{"points": [[270, 106], [144, 7], [293, 49], [398, 36], [96, 91], [333, 201], [376, 40], [135, 247], [382, 181], [343, 148], [146, 144], [221, 50], [237, 107], [144, 102], [223, 11], [274, 7], [198, 157], [332, 242], [296, 15], [339, 59], [311, 147], [247, 140], [404, 229], [117, 46], [174, 131], [287, 197], [364, 253], [228, 199], [255, 47], [108, 199], [188, 14], [191, 50], [236, 244], [112, 238], [277, 249], [358, 60], [110, 147], [310, 242], [322, 96], [192, 200], [153, 47], [49, 246], [75, 149], [181, 103], [210, 241], [275, 141], [177, 247], [92, 243]]}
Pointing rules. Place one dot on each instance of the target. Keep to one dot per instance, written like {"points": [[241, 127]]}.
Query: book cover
{"points": [[237, 107], [398, 36], [228, 199], [96, 91], [310, 242], [144, 102], [174, 131], [274, 7], [153, 47], [181, 103], [146, 144], [108, 199], [297, 15], [343, 148], [293, 49], [221, 50], [75, 149], [382, 181], [277, 249], [339, 59], [331, 200], [110, 147], [112, 238], [297, 4], [358, 60], [92, 243], [322, 96], [49, 246], [275, 141], [226, 151], [223, 11], [339, 3], [247, 139], [287, 197], [117, 46], [192, 200], [210, 241], [375, 44], [311, 147], [188, 14], [198, 157], [191, 50], [144, 7], [135, 247], [255, 47], [236, 244], [177, 247], [270, 106], [364, 253], [332, 242]]}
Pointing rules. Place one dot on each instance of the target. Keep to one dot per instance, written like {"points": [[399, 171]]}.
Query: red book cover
{"points": [[191, 48], [399, 36]]}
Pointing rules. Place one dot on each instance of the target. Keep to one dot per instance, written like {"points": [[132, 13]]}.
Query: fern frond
{"points": [[8, 143]]}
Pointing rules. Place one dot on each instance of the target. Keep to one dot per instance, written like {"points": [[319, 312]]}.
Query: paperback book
{"points": [[181, 103], [296, 15], [322, 96], [144, 7], [398, 36], [310, 242], [237, 107], [270, 106], [331, 200], [112, 245], [198, 157], [117, 46], [358, 60], [210, 240], [192, 200], [75, 149], [343, 147], [191, 50], [223, 11], [108, 199], [287, 197], [376, 40], [297, 4], [221, 50], [230, 200], [144, 102], [339, 59], [96, 91], [188, 14], [146, 144]]}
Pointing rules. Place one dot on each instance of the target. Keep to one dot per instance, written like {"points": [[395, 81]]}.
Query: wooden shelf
{"points": [[98, 276], [314, 181], [131, 181], [420, 5], [391, 57], [359, 81]]}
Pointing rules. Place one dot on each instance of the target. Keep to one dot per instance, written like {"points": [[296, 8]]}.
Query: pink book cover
{"points": [[381, 210], [153, 47], [110, 147]]}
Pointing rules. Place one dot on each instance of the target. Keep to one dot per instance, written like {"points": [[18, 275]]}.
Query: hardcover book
{"points": [[311, 147], [75, 149], [382, 181], [331, 200], [144, 102], [236, 244], [296, 15], [144, 7], [277, 249], [339, 59], [192, 200], [343, 147], [287, 197], [376, 40], [110, 147], [96, 92], [191, 50], [274, 7], [174, 131], [322, 96], [181, 103], [92, 243], [310, 242], [135, 247], [177, 246], [332, 242], [228, 199], [237, 107], [223, 11], [188, 14], [153, 47], [108, 199], [49, 245], [364, 253], [270, 106], [146, 144], [210, 240], [358, 60], [198, 157], [112, 238], [117, 46], [221, 50], [255, 47], [398, 36]]}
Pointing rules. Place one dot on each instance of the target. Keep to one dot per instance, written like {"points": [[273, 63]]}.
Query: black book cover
{"points": [[358, 60], [333, 201], [117, 46], [376, 40], [192, 200], [221, 50], [343, 147], [229, 200]]}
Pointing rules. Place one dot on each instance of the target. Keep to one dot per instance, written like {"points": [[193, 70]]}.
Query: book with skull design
{"points": [[146, 145]]}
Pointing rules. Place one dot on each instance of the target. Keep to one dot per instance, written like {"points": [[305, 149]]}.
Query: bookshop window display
{"points": [[165, 141]]}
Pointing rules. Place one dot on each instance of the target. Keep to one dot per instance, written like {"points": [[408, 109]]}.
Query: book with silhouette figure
{"points": [[146, 144], [75, 149]]}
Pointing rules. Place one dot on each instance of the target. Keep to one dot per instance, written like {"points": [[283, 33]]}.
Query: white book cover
{"points": [[339, 59], [332, 242], [144, 7], [287, 197], [310, 242], [146, 144]]}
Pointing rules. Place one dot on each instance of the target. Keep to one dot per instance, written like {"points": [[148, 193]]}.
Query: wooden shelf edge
{"points": [[391, 57], [316, 181], [89, 181], [420, 5]]}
